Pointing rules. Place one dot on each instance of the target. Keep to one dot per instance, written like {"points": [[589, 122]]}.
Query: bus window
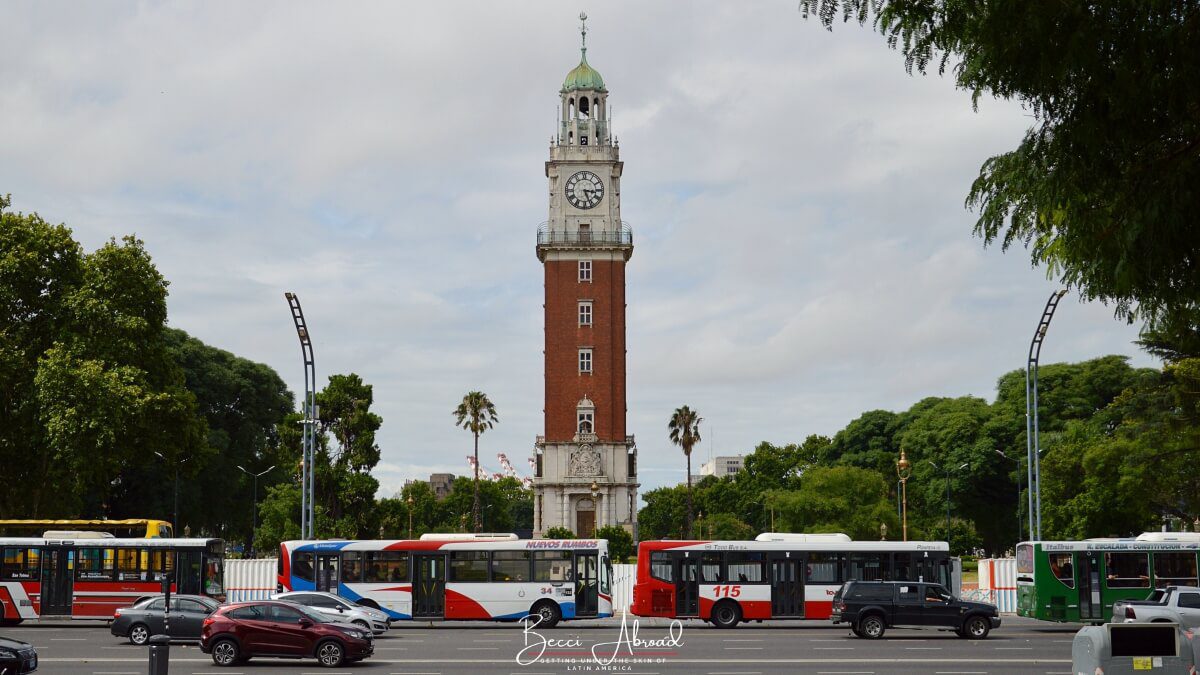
{"points": [[128, 568], [902, 568], [1025, 559], [746, 567], [468, 566], [510, 565], [1064, 571], [21, 564], [189, 572], [660, 566], [214, 573], [94, 564], [865, 567], [1174, 569], [551, 565], [385, 566], [351, 572], [823, 568], [1126, 569], [710, 568], [302, 566], [605, 574]]}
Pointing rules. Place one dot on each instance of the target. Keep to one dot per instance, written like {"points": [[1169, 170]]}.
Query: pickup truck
{"points": [[1178, 604]]}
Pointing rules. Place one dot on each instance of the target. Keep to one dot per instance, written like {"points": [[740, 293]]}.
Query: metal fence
{"points": [[249, 579], [997, 583]]}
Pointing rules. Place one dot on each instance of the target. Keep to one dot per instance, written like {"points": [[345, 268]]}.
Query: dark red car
{"points": [[235, 633]]}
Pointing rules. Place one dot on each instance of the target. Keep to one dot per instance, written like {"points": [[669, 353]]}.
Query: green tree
{"points": [[620, 542], [476, 414], [1102, 187], [558, 532], [684, 431], [89, 390], [724, 526], [664, 514], [836, 499]]}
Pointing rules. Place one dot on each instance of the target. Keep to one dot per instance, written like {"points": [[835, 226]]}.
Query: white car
{"points": [[339, 609]]}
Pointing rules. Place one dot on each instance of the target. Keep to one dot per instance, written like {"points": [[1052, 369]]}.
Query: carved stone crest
{"points": [[584, 461]]}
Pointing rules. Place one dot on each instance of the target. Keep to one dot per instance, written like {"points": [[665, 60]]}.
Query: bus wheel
{"points": [[548, 612], [872, 627], [726, 614]]}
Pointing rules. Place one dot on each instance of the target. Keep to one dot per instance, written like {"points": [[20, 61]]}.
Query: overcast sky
{"points": [[802, 252]]}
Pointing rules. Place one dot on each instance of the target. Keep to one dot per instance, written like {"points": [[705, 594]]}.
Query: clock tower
{"points": [[586, 463]]}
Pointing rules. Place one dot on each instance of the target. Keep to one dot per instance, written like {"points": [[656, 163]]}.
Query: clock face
{"points": [[584, 190]]}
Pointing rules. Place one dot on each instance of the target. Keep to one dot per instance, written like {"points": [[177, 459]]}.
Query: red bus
{"points": [[90, 578], [776, 576]]}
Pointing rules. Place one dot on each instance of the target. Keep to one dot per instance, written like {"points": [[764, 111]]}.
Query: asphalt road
{"points": [[1019, 646]]}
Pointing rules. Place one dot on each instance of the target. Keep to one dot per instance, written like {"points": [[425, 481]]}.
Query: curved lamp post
{"points": [[309, 411], [1032, 447]]}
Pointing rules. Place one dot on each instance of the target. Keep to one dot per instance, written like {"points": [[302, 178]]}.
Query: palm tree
{"points": [[476, 414], [685, 432]]}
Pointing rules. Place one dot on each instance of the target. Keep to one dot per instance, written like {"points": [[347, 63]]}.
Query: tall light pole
{"points": [[309, 411], [948, 471], [175, 512], [410, 514], [1033, 465], [1018, 461], [254, 510], [903, 471]]}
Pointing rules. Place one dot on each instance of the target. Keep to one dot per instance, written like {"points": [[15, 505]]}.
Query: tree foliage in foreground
{"points": [[1105, 185]]}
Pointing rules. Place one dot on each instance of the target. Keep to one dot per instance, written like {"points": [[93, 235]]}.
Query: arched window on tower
{"points": [[583, 107], [585, 418], [570, 108]]}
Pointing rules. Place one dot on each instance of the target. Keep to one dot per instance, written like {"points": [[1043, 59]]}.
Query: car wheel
{"points": [[225, 652], [548, 612], [139, 634], [362, 624], [977, 628], [726, 614], [872, 627], [858, 633], [330, 654]]}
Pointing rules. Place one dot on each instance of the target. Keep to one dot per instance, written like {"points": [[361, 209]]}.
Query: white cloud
{"points": [[803, 254]]}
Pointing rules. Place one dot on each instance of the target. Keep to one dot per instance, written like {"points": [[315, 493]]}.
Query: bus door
{"points": [[189, 567], [687, 585], [787, 584], [429, 586], [58, 578], [1090, 607], [328, 566], [587, 584]]}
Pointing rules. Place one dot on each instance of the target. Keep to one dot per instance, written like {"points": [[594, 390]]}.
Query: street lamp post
{"points": [[309, 411], [1018, 461], [903, 471], [410, 502], [948, 471], [254, 504], [175, 512], [1032, 447], [595, 488]]}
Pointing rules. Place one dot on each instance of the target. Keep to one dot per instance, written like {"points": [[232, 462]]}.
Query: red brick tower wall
{"points": [[565, 385]]}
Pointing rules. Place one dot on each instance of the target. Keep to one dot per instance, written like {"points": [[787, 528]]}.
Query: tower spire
{"points": [[583, 35]]}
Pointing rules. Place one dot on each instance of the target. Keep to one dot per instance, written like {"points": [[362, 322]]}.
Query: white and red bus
{"points": [[458, 577], [89, 578], [776, 576]]}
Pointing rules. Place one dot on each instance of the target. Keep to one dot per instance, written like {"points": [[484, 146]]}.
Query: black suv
{"points": [[870, 607]]}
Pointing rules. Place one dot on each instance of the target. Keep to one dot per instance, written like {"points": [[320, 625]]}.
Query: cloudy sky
{"points": [[802, 250]]}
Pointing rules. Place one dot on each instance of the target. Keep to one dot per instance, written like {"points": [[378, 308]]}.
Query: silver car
{"points": [[339, 609]]}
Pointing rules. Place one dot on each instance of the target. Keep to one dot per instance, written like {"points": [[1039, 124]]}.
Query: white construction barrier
{"points": [[249, 579], [998, 583], [624, 576]]}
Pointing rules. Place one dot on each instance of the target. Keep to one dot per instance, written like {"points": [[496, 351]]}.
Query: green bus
{"points": [[1078, 581]]}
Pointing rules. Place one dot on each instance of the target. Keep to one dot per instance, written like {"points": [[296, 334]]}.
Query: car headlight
{"points": [[354, 634]]}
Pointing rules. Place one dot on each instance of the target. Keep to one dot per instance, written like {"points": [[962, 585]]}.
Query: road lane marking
{"points": [[1014, 647], [932, 649]]}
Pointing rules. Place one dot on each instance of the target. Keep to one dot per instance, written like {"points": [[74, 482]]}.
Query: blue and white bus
{"points": [[458, 576]]}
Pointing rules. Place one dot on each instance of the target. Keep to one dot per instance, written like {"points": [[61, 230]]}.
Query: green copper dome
{"points": [[583, 76]]}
